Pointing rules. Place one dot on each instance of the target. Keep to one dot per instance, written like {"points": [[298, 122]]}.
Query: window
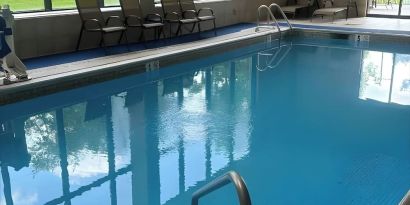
{"points": [[24, 5], [159, 1], [48, 5], [111, 2], [63, 4]]}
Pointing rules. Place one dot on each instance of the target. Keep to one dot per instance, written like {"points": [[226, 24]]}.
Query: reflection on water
{"points": [[157, 136], [385, 77], [156, 143]]}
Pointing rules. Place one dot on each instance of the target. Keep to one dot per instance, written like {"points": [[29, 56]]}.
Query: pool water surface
{"points": [[303, 124]]}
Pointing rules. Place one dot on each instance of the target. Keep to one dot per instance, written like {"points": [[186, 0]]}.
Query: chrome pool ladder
{"points": [[272, 59], [270, 17], [230, 177]]}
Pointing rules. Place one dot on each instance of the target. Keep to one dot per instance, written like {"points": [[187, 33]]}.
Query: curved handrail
{"points": [[282, 13], [406, 199], [268, 65], [230, 177], [270, 14], [289, 47]]}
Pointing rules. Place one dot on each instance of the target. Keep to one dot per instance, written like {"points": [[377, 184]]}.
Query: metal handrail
{"points": [[268, 65], [271, 16], [282, 13], [406, 199], [230, 177]]}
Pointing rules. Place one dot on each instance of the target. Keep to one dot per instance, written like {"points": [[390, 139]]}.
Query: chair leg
{"points": [[126, 40], [193, 27], [142, 37], [161, 31], [179, 29], [102, 42], [119, 40], [357, 11], [170, 30], [347, 12], [102, 39], [215, 27], [199, 27], [79, 38]]}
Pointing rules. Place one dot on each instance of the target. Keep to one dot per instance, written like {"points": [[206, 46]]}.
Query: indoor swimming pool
{"points": [[313, 121]]}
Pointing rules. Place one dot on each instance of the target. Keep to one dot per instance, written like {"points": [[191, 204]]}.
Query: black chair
{"points": [[92, 20], [293, 9], [134, 17], [173, 15], [189, 11]]}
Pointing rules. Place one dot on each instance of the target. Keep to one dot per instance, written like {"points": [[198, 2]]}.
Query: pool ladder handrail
{"points": [[406, 199], [268, 65], [230, 177], [270, 17]]}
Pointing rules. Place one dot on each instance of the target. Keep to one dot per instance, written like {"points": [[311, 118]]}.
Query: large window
{"points": [[111, 2], [48, 5], [386, 8], [196, 1], [24, 5], [63, 4]]}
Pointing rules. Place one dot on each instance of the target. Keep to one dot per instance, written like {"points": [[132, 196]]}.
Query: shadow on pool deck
{"points": [[57, 59]]}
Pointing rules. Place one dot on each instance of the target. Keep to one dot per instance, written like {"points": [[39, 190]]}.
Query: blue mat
{"points": [[57, 59]]}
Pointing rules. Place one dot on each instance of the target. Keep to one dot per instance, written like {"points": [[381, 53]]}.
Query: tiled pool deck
{"points": [[365, 24]]}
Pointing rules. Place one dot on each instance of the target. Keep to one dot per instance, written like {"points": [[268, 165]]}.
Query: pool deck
{"points": [[48, 72], [365, 24]]}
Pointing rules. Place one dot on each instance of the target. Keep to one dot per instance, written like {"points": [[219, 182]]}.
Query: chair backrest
{"points": [[89, 9], [131, 7], [169, 6], [187, 5], [291, 2], [314, 3]]}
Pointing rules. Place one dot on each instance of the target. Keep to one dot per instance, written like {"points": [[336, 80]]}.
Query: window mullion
{"points": [[48, 6], [102, 4]]}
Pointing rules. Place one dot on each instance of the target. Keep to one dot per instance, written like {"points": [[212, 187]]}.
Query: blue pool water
{"points": [[322, 123]]}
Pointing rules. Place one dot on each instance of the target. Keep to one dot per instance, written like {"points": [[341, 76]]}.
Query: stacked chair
{"points": [[176, 12], [188, 6], [184, 12], [134, 18], [92, 20]]}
